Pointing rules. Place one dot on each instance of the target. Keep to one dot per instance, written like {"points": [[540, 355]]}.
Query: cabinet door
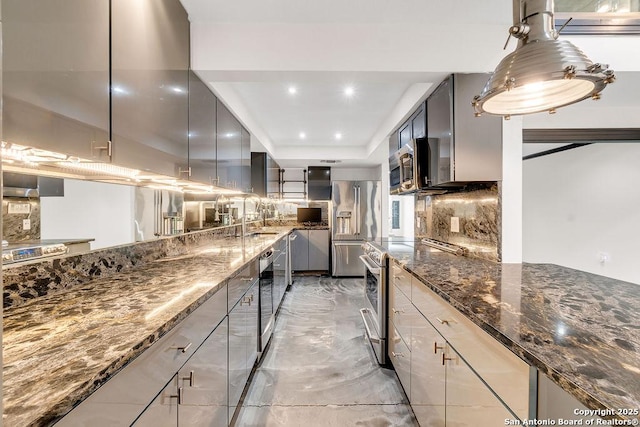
{"points": [[279, 279], [419, 123], [401, 313], [150, 107], [229, 147], [470, 402], [202, 131], [204, 382], [318, 249], [300, 251], [394, 142], [163, 411], [245, 162], [237, 353], [252, 332], [405, 134], [56, 75], [427, 374], [400, 357]]}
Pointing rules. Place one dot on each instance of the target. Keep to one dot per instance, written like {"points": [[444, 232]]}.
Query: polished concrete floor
{"points": [[319, 370]]}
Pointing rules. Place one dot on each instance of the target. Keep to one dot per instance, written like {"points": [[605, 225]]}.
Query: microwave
{"points": [[409, 167]]}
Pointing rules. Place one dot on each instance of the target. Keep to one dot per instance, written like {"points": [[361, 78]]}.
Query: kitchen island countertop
{"points": [[582, 330], [59, 348]]}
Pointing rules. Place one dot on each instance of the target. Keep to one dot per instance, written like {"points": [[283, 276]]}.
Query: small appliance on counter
{"points": [[309, 215]]}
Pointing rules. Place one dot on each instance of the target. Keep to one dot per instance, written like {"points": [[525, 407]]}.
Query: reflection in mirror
{"points": [[110, 215]]}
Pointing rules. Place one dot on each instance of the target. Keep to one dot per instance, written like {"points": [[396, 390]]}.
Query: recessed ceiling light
{"points": [[338, 135], [349, 91], [292, 90], [303, 135]]}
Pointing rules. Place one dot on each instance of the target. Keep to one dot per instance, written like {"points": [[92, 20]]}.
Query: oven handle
{"points": [[373, 269], [374, 339]]}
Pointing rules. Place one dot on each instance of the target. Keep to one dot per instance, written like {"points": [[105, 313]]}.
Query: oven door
{"points": [[374, 314]]}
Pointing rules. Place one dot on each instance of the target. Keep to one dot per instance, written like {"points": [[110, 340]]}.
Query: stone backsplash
{"points": [[12, 224], [22, 283], [478, 211]]}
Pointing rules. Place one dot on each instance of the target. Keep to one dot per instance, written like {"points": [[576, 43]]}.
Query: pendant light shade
{"points": [[543, 73]]}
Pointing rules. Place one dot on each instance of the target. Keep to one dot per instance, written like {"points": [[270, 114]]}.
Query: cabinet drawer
{"points": [[401, 278], [239, 284], [400, 312], [504, 372], [131, 389], [400, 357]]}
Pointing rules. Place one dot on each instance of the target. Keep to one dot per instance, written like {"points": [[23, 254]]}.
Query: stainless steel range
{"points": [[374, 315]]}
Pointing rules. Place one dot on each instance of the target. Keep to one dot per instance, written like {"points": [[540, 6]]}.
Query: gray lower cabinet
{"points": [[279, 279], [300, 250], [197, 394], [453, 373], [310, 250], [243, 343]]}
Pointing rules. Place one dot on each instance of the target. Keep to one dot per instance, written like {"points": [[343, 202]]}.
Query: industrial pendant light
{"points": [[543, 73]]}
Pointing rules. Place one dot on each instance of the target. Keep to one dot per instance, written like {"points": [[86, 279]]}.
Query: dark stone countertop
{"points": [[582, 330], [59, 348]]}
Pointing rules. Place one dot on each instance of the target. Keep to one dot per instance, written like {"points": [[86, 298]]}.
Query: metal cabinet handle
{"points": [[436, 347], [445, 358], [244, 279], [396, 355], [177, 396], [182, 348], [397, 311], [445, 322], [190, 378]]}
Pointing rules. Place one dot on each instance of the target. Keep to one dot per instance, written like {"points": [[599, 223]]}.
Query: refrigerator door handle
{"points": [[355, 207]]}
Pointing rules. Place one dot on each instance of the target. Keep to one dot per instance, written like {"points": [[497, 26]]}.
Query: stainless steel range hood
{"points": [[19, 185]]}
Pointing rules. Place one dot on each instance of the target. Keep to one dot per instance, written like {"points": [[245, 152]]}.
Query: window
{"points": [[598, 16]]}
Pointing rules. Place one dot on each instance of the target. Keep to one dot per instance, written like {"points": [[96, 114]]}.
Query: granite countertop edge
{"points": [[553, 374]]}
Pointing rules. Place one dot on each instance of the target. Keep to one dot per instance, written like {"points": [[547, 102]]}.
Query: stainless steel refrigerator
{"points": [[356, 215]]}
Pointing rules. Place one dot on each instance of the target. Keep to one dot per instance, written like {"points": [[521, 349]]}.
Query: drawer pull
{"points": [[397, 311], [445, 358], [190, 378], [445, 321], [177, 396], [183, 348], [436, 347], [396, 355], [244, 279], [246, 300]]}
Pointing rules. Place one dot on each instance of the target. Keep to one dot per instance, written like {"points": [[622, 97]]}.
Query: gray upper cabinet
{"points": [[463, 148], [150, 79], [202, 131], [56, 75], [229, 148], [245, 162], [419, 123]]}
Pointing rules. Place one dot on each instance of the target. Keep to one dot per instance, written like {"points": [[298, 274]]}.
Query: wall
{"points": [[582, 205], [88, 209], [478, 210]]}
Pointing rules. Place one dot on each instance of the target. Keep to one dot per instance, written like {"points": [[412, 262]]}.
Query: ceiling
{"points": [[392, 53]]}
